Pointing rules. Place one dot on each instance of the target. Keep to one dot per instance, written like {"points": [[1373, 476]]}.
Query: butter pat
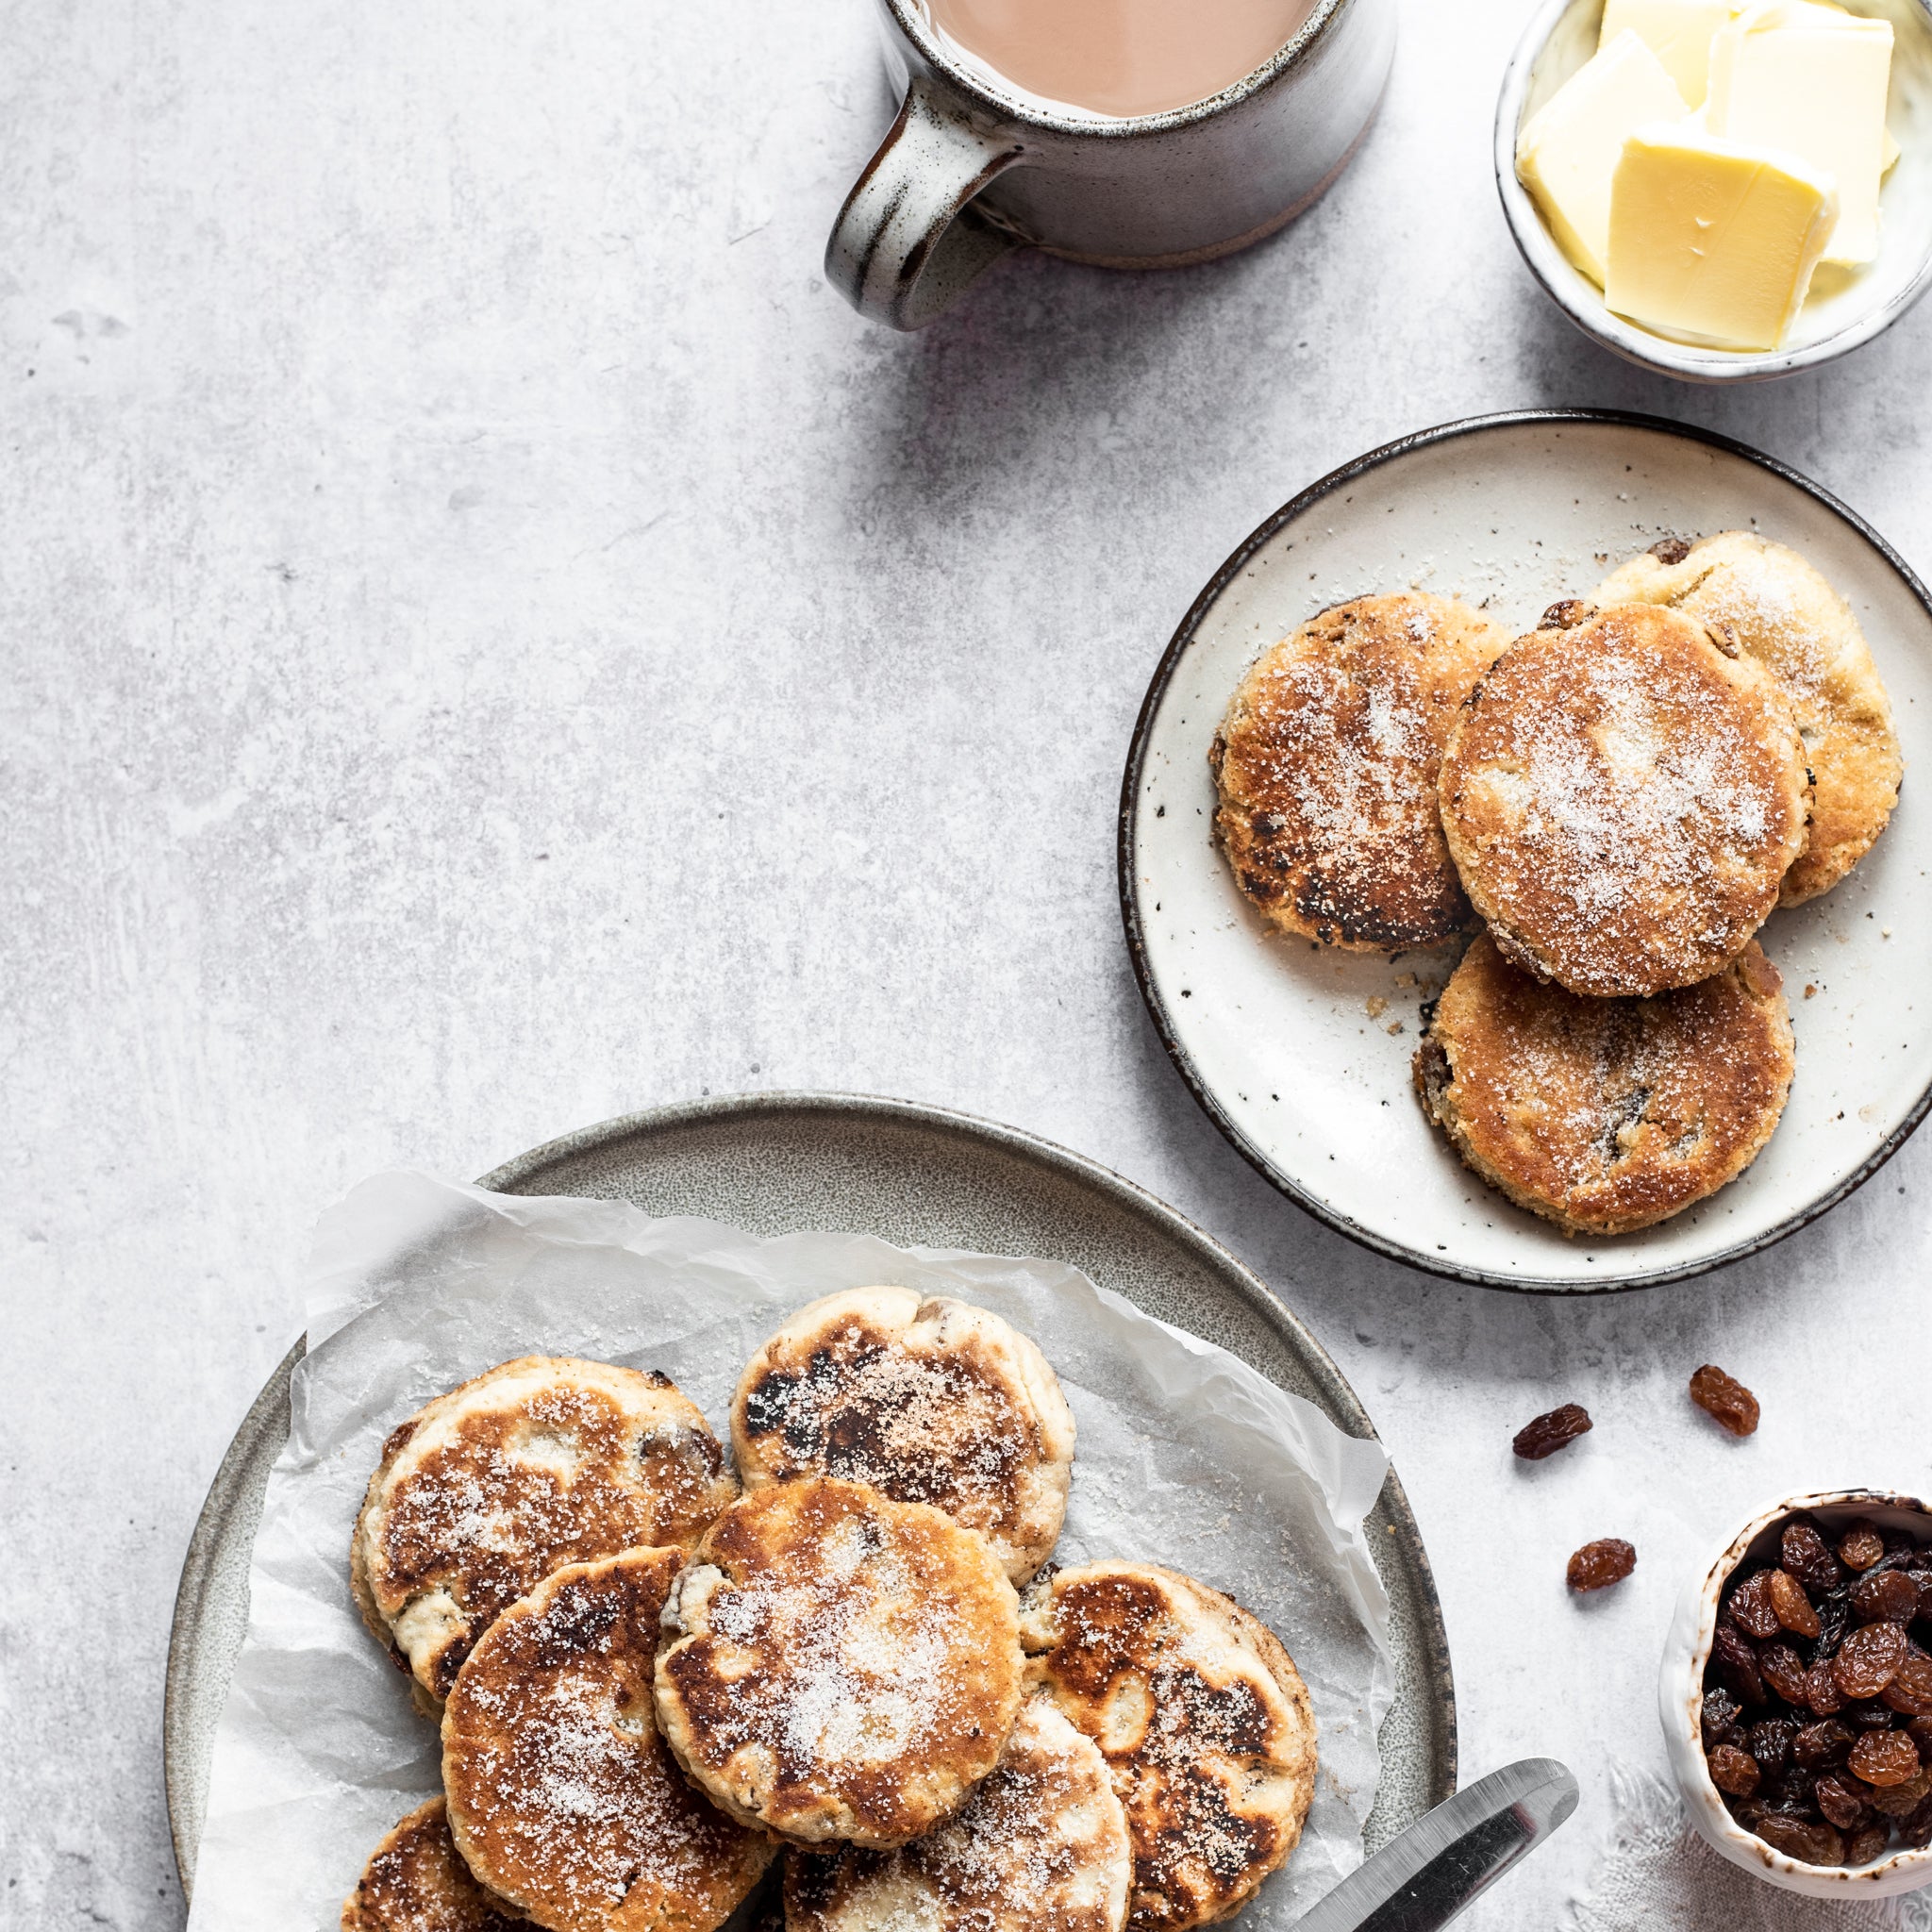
{"points": [[1811, 82], [1569, 150], [1711, 239], [1679, 32]]}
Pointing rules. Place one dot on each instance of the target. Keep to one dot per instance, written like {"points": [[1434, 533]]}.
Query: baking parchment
{"points": [[1187, 1457]]}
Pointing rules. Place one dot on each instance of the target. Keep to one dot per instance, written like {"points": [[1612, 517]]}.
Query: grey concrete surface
{"points": [[491, 643]]}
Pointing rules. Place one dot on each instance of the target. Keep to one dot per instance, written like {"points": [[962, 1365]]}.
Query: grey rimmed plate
{"points": [[913, 1175], [1300, 1057]]}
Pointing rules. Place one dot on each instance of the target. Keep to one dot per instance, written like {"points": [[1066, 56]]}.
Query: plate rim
{"points": [[264, 1426], [1127, 822]]}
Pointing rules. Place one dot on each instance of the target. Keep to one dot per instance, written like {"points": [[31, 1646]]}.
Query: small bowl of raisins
{"points": [[1796, 1695]]}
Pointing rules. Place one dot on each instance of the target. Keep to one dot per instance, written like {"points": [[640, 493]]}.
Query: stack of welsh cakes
{"points": [[1605, 811], [654, 1674]]}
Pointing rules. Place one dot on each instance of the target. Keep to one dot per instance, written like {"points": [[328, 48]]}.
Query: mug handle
{"points": [[900, 252]]}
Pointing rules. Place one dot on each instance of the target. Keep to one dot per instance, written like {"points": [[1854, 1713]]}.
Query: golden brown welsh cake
{"points": [[1783, 615], [1624, 795], [840, 1665], [1327, 765], [1042, 1846], [1607, 1115], [926, 1399], [415, 1882], [562, 1798], [1202, 1717], [537, 1463]]}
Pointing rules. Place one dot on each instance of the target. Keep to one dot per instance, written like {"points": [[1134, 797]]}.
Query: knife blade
{"points": [[1422, 1878]]}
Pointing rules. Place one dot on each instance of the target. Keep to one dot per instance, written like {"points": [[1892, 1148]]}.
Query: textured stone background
{"points": [[492, 643]]}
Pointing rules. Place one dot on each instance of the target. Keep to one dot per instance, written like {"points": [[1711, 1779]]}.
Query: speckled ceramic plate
{"points": [[912, 1174], [1301, 1057]]}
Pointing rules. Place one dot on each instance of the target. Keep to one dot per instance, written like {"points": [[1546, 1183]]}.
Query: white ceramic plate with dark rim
{"points": [[1300, 1056], [918, 1177]]}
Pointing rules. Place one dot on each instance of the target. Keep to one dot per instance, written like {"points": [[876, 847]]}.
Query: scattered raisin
{"points": [[1726, 1400], [1884, 1758], [1791, 1606], [1810, 1844], [1719, 1718], [1819, 1744], [1866, 1845], [1749, 1607], [1551, 1432], [1810, 1558], [1770, 1742], [1735, 1660], [1885, 1596], [1869, 1658], [1823, 1697], [1910, 1691], [1840, 1803], [1606, 1562], [1861, 1545], [1734, 1770], [1780, 1666]]}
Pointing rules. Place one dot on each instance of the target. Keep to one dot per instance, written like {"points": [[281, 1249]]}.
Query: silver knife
{"points": [[1426, 1876]]}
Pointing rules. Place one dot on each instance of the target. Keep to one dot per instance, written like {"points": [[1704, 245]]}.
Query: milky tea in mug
{"points": [[1121, 58]]}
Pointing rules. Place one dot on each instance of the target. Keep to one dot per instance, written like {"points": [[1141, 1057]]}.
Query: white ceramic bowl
{"points": [[1853, 309], [1680, 1693]]}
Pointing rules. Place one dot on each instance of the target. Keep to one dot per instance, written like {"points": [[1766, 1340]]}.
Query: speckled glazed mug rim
{"points": [[1681, 1690], [910, 19]]}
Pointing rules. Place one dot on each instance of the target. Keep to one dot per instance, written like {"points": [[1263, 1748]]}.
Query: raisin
{"points": [[1868, 1715], [1902, 1800], [1869, 1658], [1608, 1560], [1916, 1829], [1736, 1663], [1734, 1770], [1810, 1844], [1747, 1811], [1810, 1558], [1840, 1803], [1834, 1620], [1780, 1666], [1549, 1433], [1749, 1607], [1910, 1691], [1885, 1596], [1867, 1844], [1919, 1732], [1819, 1744], [1725, 1400], [1823, 1697], [1861, 1545], [1770, 1742], [1669, 549], [1719, 1719], [1791, 1605], [1884, 1758]]}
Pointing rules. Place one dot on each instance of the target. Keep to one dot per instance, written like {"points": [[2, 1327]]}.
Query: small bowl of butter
{"points": [[1723, 189]]}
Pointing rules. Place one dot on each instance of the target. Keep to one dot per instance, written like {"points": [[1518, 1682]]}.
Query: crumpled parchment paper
{"points": [[1187, 1457]]}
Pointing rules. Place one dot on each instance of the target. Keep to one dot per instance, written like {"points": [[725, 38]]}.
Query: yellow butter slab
{"points": [[1810, 82], [1679, 32], [1569, 148], [1711, 239]]}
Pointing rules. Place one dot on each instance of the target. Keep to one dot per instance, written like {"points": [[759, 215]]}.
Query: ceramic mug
{"points": [[969, 172]]}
